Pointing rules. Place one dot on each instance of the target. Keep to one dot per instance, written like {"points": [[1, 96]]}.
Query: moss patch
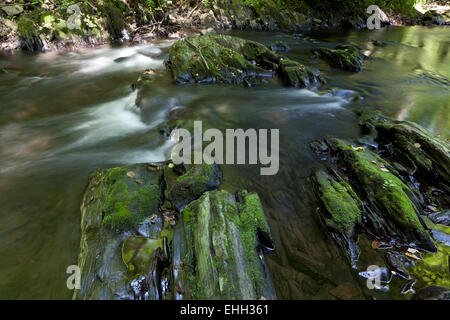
{"points": [[127, 202]]}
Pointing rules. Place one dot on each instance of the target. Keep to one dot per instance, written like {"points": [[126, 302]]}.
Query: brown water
{"points": [[63, 115]]}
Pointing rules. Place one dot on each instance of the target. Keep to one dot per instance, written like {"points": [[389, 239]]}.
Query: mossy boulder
{"points": [[295, 74], [386, 193], [131, 196], [167, 255], [192, 184], [229, 235], [115, 21], [341, 210], [29, 35], [413, 146], [345, 57], [103, 272], [216, 58]]}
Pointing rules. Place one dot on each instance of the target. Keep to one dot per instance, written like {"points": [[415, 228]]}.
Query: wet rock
{"points": [[395, 262], [219, 59], [159, 259], [432, 293], [224, 59], [295, 74], [345, 57], [442, 237], [392, 214], [228, 234], [341, 210], [413, 146], [189, 186], [442, 217]]}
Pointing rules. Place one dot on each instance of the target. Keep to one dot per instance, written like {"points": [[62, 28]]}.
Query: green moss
{"points": [[192, 184], [251, 222], [386, 190], [226, 247], [218, 58], [345, 57], [340, 202], [128, 203], [27, 28], [296, 75]]}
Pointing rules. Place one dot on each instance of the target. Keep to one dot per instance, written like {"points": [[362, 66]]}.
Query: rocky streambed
{"points": [[165, 231]]}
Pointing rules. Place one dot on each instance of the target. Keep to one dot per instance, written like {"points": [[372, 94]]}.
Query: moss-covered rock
{"points": [[229, 236], [386, 193], [115, 21], [191, 185], [29, 34], [413, 146], [131, 196], [295, 74], [345, 57], [340, 212], [214, 249], [219, 59], [224, 59]]}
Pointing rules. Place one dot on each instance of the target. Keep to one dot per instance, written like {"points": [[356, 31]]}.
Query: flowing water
{"points": [[64, 115]]}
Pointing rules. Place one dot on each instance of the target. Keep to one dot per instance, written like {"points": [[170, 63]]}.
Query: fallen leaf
{"points": [[431, 208], [417, 145], [413, 256], [374, 162], [360, 149], [262, 298], [131, 174], [384, 169], [375, 244], [412, 250], [149, 168], [138, 181]]}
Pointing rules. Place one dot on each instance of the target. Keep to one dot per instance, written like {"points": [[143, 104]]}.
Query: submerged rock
{"points": [[213, 249], [216, 58], [345, 57]]}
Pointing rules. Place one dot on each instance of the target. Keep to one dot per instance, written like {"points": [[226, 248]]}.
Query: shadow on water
{"points": [[63, 115]]}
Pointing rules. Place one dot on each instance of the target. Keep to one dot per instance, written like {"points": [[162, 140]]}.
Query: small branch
{"points": [[199, 51]]}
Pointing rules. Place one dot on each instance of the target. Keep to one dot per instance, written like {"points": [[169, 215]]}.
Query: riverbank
{"points": [[60, 25]]}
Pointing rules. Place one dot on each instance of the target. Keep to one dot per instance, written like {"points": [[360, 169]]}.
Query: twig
{"points": [[199, 51]]}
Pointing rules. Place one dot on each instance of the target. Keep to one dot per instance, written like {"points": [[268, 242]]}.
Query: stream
{"points": [[63, 115]]}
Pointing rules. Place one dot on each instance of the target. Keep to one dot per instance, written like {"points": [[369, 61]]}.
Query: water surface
{"points": [[64, 115]]}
